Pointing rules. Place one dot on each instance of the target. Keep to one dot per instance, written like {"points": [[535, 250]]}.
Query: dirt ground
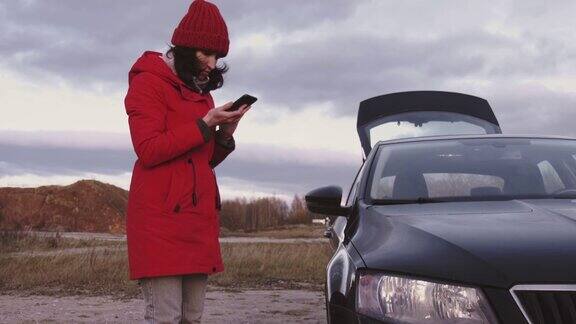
{"points": [[250, 306], [228, 239]]}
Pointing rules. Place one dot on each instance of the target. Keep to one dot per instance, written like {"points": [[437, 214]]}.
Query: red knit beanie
{"points": [[204, 28]]}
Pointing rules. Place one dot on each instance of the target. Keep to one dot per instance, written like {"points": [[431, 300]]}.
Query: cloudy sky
{"points": [[64, 67]]}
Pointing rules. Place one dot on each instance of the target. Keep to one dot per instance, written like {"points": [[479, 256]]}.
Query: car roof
{"points": [[456, 137]]}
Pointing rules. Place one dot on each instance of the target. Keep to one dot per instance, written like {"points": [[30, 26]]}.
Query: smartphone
{"points": [[244, 100]]}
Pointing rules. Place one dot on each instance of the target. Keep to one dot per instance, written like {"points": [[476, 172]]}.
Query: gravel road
{"points": [[250, 306], [232, 239]]}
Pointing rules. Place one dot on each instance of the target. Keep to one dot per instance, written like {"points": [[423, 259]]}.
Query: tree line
{"points": [[262, 213]]}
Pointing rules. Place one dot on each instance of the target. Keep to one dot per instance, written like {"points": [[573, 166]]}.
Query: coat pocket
{"points": [[182, 196], [173, 192], [149, 188]]}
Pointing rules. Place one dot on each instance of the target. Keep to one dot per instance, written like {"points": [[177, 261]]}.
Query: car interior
{"points": [[443, 175]]}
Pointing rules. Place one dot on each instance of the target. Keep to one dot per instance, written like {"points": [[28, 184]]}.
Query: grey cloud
{"points": [[346, 70], [534, 110], [275, 175], [256, 15], [291, 176], [9, 169], [84, 42], [67, 139], [54, 160], [97, 41]]}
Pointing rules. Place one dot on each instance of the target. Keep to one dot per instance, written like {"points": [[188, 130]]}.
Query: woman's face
{"points": [[208, 61]]}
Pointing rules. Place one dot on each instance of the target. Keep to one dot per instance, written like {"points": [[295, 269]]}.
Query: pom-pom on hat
{"points": [[204, 28]]}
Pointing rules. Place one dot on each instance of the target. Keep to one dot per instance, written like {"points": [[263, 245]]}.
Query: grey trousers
{"points": [[174, 299]]}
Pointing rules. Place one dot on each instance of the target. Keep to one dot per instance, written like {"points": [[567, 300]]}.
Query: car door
{"points": [[423, 113]]}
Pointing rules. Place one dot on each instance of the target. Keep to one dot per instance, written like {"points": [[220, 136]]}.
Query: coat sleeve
{"points": [[222, 149], [152, 141]]}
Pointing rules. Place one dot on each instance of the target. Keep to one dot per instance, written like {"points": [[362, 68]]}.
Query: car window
{"points": [[354, 187], [473, 168], [384, 187], [427, 123], [550, 177]]}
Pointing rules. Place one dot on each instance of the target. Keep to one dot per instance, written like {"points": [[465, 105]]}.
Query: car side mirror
{"points": [[326, 201]]}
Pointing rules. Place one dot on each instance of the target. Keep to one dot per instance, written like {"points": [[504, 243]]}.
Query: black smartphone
{"points": [[244, 100]]}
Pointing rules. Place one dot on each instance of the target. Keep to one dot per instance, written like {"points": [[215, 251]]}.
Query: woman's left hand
{"points": [[229, 126]]}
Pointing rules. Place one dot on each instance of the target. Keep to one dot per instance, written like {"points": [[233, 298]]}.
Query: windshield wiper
{"points": [[564, 196], [419, 200], [426, 200]]}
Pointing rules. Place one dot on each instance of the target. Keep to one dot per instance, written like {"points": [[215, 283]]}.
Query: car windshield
{"points": [[427, 123], [474, 169]]}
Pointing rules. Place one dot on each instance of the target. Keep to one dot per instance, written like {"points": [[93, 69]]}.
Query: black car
{"points": [[451, 221]]}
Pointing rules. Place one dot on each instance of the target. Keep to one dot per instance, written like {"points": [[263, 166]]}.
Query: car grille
{"points": [[547, 304]]}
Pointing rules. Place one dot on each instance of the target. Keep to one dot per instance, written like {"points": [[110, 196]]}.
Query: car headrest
{"points": [[524, 180], [409, 185]]}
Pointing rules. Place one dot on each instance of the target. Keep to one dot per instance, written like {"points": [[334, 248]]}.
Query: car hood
{"points": [[499, 243]]}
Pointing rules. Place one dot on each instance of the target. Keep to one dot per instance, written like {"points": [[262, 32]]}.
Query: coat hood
{"points": [[152, 62]]}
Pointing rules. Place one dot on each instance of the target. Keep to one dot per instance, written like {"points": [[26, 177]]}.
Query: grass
{"points": [[286, 232], [91, 273], [13, 241], [105, 271], [263, 264]]}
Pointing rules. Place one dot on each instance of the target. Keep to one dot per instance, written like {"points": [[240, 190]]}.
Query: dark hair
{"points": [[188, 66]]}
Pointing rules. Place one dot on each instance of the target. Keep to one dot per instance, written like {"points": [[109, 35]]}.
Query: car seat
{"points": [[524, 180]]}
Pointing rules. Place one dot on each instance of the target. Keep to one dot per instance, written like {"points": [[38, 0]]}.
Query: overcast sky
{"points": [[64, 67]]}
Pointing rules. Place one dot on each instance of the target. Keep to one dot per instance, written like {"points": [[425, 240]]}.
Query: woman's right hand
{"points": [[219, 115]]}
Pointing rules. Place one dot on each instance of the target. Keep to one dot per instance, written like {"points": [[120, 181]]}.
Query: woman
{"points": [[172, 216]]}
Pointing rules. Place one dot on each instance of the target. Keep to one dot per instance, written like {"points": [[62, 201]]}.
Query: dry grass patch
{"points": [[105, 271], [94, 273], [14, 241], [260, 264], [286, 232]]}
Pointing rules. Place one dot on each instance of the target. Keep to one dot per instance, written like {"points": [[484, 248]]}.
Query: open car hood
{"points": [[423, 113]]}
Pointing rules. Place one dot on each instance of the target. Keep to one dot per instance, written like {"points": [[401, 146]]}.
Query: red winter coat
{"points": [[172, 222]]}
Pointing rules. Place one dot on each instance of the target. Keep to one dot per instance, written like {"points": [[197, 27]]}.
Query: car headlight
{"points": [[397, 299]]}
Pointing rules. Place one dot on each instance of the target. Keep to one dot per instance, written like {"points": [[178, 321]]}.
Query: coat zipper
{"points": [[218, 201], [194, 196]]}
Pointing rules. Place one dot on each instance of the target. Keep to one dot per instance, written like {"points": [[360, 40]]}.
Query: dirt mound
{"points": [[84, 206]]}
